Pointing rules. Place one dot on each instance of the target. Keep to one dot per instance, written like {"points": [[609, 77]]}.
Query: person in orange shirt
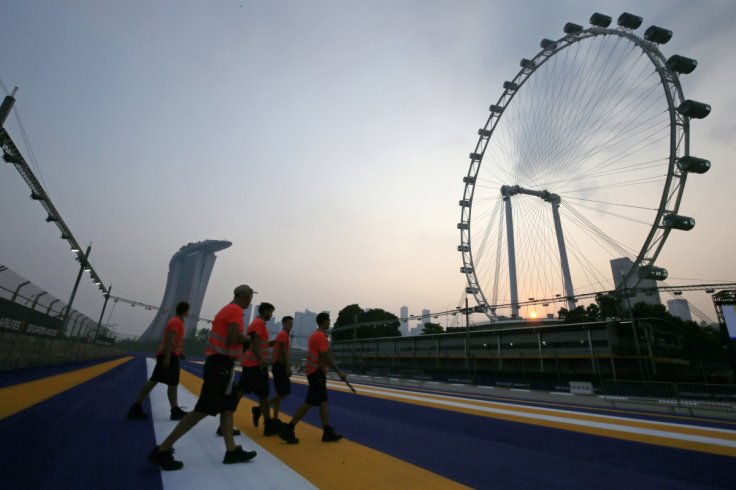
{"points": [[280, 366], [318, 360], [167, 366], [224, 346], [254, 377]]}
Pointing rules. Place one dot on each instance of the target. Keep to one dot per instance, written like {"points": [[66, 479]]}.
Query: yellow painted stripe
{"points": [[434, 401], [345, 464], [16, 398]]}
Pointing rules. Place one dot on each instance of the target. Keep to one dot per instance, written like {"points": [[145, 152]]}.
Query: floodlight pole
{"points": [[82, 265], [104, 305]]}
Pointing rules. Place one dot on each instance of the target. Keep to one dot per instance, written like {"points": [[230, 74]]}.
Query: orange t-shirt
{"points": [[217, 341], [281, 338], [175, 325], [318, 344], [256, 327]]}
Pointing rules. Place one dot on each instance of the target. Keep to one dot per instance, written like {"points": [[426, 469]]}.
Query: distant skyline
{"points": [[326, 140]]}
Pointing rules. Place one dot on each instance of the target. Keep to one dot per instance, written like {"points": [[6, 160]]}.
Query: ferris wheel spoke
{"points": [[578, 164]]}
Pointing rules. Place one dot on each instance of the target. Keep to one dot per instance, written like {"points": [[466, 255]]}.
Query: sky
{"points": [[327, 140]]}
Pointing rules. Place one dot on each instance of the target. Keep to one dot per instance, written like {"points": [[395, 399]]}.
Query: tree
{"points": [[430, 328], [355, 322], [578, 315], [608, 304]]}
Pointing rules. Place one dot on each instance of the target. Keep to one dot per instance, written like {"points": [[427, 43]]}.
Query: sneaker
{"points": [[237, 455], [177, 413], [271, 428], [236, 431], [256, 411], [279, 423], [287, 434], [136, 412], [329, 435], [164, 459]]}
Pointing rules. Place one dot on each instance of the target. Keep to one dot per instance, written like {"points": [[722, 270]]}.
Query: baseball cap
{"points": [[244, 290]]}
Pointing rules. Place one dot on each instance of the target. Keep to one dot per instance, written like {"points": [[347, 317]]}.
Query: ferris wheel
{"points": [[582, 160]]}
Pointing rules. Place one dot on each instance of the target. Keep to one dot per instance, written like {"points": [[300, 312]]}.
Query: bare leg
{"points": [[276, 404], [226, 424], [171, 391], [324, 415], [265, 410], [190, 420], [300, 412], [145, 391]]}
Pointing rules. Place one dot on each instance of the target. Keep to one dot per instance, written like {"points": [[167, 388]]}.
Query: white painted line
{"points": [[519, 389], [393, 379], [202, 452], [561, 393], [665, 430], [432, 383], [488, 387]]}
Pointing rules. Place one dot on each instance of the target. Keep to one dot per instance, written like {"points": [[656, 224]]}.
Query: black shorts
{"points": [[170, 375], [218, 394], [317, 392], [254, 380], [281, 382]]}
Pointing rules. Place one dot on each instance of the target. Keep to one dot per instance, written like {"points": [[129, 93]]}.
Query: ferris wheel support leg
{"points": [[563, 254], [512, 255]]}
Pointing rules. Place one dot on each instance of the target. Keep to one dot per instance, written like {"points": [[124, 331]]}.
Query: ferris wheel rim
{"points": [[673, 187]]}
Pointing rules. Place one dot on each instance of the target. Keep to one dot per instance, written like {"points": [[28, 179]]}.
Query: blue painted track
{"points": [[81, 439]]}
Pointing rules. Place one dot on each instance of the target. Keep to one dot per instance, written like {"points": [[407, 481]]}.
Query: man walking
{"points": [[280, 366], [318, 360], [167, 366], [254, 377], [224, 347]]}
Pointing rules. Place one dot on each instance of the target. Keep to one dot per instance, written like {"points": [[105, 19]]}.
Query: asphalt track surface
{"points": [[76, 436]]}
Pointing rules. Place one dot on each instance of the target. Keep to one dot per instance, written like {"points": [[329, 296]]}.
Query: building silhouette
{"points": [[189, 274], [304, 324], [680, 308], [404, 321], [620, 267]]}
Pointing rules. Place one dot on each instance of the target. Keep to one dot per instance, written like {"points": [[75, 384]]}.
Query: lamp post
{"points": [[82, 265], [104, 305]]}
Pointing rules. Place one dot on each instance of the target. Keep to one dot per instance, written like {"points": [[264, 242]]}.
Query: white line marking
{"points": [[665, 430], [202, 452], [519, 389], [561, 393]]}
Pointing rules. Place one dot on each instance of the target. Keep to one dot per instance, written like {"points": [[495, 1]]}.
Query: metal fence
{"points": [[672, 395], [30, 310]]}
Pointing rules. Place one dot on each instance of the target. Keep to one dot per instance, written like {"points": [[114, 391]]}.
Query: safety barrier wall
{"points": [[674, 395], [18, 350]]}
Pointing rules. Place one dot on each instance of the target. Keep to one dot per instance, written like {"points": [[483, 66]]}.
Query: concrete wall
{"points": [[22, 350]]}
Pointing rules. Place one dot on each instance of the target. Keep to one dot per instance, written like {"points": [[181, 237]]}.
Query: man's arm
{"points": [[168, 346], [283, 359], [327, 358], [234, 336], [255, 346]]}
